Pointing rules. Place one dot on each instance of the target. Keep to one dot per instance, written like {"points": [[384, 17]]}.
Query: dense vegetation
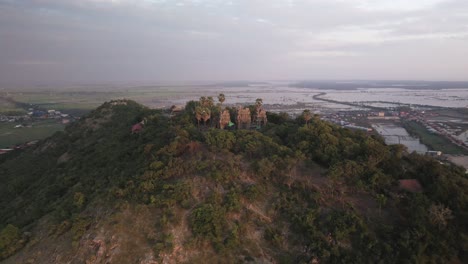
{"points": [[296, 191]]}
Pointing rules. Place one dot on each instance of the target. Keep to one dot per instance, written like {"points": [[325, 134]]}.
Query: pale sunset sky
{"points": [[181, 40]]}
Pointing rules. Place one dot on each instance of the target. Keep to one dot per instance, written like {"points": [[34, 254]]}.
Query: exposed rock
{"points": [[63, 158]]}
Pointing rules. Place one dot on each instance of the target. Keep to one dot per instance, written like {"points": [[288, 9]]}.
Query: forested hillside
{"points": [[174, 190]]}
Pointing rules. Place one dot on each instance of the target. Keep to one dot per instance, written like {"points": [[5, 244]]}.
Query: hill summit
{"points": [[128, 184]]}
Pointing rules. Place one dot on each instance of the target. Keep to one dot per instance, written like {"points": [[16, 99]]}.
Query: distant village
{"points": [[455, 133], [27, 121], [35, 114]]}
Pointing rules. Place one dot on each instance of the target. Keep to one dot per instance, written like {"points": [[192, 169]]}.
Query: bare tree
{"points": [[439, 215]]}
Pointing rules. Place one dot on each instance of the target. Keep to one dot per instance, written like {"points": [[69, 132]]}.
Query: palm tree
{"points": [[209, 102], [205, 115], [307, 115], [202, 101], [221, 98], [198, 114], [258, 103]]}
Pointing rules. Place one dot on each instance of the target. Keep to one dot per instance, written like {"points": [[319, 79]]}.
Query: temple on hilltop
{"points": [[243, 118], [261, 117], [246, 117], [225, 119]]}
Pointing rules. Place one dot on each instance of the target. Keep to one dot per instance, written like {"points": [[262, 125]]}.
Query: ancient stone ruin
{"points": [[224, 119], [261, 117], [243, 118]]}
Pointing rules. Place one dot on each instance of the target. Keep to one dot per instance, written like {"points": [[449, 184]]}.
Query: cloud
{"points": [[397, 5], [213, 39], [34, 63], [324, 54]]}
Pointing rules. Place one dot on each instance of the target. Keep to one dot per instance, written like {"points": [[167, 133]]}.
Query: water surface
{"points": [[394, 134]]}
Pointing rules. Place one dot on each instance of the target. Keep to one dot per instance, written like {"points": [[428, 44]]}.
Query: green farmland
{"points": [[10, 136], [433, 141], [75, 102]]}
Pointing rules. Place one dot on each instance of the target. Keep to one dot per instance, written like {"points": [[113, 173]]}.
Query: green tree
{"points": [[9, 237], [381, 200], [78, 199], [220, 138]]}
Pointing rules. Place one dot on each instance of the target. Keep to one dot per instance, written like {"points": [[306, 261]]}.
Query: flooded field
{"points": [[275, 98], [443, 98], [284, 95], [394, 134]]}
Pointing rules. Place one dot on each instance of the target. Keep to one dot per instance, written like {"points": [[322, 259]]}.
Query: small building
{"points": [[3, 151], [118, 102], [243, 118], [225, 119], [177, 109], [38, 113], [434, 153], [137, 128]]}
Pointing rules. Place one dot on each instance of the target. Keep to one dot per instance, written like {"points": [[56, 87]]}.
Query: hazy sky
{"points": [[171, 40]]}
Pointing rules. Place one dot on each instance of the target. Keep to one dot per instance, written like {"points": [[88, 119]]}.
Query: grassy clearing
{"points": [[9, 108], [10, 136], [12, 111], [64, 100], [433, 141], [75, 109], [77, 102]]}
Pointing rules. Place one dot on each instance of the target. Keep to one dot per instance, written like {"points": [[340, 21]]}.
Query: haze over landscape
{"points": [[154, 41]]}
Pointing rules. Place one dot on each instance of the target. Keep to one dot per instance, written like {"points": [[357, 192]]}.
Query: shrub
{"points": [[9, 241]]}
